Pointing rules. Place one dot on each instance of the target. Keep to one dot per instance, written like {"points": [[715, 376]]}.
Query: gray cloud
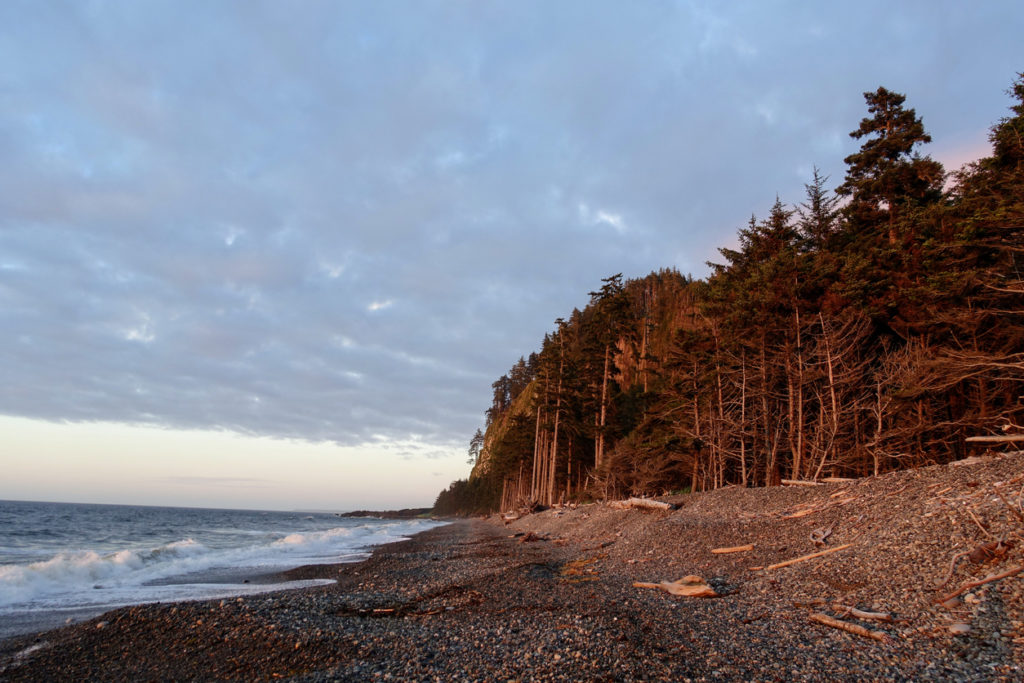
{"points": [[342, 221]]}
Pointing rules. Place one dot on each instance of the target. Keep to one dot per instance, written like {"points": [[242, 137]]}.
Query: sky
{"points": [[273, 254]]}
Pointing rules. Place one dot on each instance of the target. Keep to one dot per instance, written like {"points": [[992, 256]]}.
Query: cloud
{"points": [[338, 222], [598, 217], [380, 305]]}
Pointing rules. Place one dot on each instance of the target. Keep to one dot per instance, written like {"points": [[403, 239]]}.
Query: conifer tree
{"points": [[887, 176]]}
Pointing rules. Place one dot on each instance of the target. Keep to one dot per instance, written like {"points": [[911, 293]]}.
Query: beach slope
{"points": [[551, 596]]}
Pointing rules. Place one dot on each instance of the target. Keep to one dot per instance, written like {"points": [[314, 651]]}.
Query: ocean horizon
{"points": [[64, 562]]}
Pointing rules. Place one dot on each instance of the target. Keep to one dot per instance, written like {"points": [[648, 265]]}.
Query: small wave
{"points": [[86, 577], [85, 569]]}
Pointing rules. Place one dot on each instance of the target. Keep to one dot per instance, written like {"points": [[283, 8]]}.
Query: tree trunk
{"points": [[743, 418], [599, 455]]}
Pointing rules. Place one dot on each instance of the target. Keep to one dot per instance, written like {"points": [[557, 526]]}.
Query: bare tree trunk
{"points": [[558, 415], [648, 295], [771, 442], [799, 392], [568, 472], [879, 414], [832, 423], [743, 418], [604, 408], [696, 430], [535, 483]]}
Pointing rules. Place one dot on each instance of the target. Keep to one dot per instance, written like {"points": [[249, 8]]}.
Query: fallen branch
{"points": [[996, 438], [646, 503], [978, 522], [819, 536], [734, 549], [848, 627], [688, 586], [837, 480], [779, 565], [1012, 571], [801, 513], [1012, 509], [848, 611], [973, 460], [799, 482], [987, 552]]}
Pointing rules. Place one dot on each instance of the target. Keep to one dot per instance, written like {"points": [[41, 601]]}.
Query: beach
{"points": [[551, 596]]}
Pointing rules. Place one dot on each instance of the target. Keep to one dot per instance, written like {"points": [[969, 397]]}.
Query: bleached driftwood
{"points": [[846, 610], [995, 438], [1012, 571], [820, 536], [973, 460], [635, 502], [688, 586], [733, 549], [799, 482], [804, 558], [848, 627]]}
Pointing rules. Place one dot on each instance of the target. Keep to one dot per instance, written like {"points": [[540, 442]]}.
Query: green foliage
{"points": [[467, 497], [886, 177]]}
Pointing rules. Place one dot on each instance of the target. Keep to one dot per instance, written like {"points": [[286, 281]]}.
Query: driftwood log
{"points": [[688, 586], [995, 438], [1012, 571], [847, 611], [826, 620], [644, 503], [804, 558], [733, 549]]}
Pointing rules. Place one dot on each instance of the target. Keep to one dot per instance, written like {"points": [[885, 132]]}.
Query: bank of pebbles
{"points": [[550, 597]]}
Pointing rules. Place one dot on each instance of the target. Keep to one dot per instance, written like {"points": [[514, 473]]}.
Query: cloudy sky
{"points": [[273, 254]]}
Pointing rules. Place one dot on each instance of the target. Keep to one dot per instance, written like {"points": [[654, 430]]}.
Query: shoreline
{"points": [[552, 597], [163, 557]]}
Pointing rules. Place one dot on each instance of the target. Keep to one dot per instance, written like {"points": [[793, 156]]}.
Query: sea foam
{"points": [[182, 569]]}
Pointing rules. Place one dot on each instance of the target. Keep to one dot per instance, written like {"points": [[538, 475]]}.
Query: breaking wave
{"points": [[186, 568]]}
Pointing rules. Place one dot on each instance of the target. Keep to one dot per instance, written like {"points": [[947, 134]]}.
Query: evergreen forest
{"points": [[873, 325]]}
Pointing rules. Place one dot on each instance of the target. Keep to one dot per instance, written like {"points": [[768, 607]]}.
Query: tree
{"points": [[832, 340], [887, 176], [819, 216], [476, 444], [610, 306]]}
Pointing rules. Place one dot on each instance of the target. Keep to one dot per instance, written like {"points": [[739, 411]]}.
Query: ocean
{"points": [[65, 562]]}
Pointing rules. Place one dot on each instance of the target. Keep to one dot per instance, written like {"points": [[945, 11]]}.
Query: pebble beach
{"points": [[551, 596]]}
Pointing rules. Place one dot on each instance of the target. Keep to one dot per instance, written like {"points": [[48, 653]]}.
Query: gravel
{"points": [[550, 597]]}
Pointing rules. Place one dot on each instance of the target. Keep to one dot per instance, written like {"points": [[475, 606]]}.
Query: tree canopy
{"points": [[848, 334]]}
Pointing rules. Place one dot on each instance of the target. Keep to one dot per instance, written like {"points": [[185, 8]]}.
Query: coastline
{"points": [[551, 597]]}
